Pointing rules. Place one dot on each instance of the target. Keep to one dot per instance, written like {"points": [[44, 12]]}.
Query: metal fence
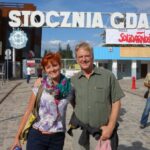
{"points": [[70, 67]]}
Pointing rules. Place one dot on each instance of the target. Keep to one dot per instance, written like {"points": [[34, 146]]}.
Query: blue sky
{"points": [[51, 37]]}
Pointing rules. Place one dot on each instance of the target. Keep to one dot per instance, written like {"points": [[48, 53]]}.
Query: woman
{"points": [[48, 132]]}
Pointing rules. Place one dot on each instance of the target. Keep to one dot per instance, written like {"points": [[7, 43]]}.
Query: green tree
{"points": [[46, 51], [66, 53], [60, 48], [68, 47]]}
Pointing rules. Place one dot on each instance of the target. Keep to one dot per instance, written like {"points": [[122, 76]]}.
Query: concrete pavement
{"points": [[7, 87], [131, 136]]}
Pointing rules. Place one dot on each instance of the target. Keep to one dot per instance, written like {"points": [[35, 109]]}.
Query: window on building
{"points": [[121, 67], [105, 65]]}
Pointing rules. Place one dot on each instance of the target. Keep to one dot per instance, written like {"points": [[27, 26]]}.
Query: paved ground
{"points": [[131, 136]]}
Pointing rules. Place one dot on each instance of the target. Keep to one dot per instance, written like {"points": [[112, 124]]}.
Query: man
{"points": [[28, 73], [146, 111], [97, 98]]}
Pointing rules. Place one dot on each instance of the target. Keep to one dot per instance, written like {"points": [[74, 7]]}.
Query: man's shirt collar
{"points": [[96, 70]]}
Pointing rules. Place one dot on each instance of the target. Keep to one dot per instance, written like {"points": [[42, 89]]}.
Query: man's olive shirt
{"points": [[94, 96]]}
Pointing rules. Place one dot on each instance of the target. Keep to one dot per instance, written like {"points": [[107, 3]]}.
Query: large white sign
{"points": [[77, 19], [18, 39], [128, 36]]}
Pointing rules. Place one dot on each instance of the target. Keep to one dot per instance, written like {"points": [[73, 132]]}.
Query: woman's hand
{"points": [[15, 143]]}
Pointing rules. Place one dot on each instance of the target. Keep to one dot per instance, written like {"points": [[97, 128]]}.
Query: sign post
{"points": [[18, 40], [7, 57], [14, 63]]}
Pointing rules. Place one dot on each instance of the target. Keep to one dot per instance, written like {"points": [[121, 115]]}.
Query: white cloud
{"points": [[54, 44], [143, 5]]}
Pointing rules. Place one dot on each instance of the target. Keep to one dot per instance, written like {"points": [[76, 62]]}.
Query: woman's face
{"points": [[53, 70]]}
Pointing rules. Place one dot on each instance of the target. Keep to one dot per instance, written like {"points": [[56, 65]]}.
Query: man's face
{"points": [[84, 59]]}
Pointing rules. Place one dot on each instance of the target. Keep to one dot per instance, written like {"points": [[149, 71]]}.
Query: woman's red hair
{"points": [[51, 57]]}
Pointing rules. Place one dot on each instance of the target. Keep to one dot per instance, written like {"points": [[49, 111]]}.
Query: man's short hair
{"points": [[86, 46]]}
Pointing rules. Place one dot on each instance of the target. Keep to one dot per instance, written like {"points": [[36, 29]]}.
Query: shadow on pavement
{"points": [[135, 146], [148, 124], [122, 113]]}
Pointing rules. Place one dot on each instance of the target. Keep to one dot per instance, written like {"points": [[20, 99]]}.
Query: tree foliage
{"points": [[67, 52], [46, 51], [64, 52]]}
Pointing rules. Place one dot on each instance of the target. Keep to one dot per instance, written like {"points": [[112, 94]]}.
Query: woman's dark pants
{"points": [[38, 141]]}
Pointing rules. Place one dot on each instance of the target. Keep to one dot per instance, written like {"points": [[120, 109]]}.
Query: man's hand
{"points": [[108, 129], [106, 132]]}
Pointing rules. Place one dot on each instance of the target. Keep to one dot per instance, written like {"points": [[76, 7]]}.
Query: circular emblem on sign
{"points": [[18, 39]]}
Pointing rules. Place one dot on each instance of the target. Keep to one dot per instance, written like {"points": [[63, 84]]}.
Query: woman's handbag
{"points": [[33, 116], [24, 134], [146, 94]]}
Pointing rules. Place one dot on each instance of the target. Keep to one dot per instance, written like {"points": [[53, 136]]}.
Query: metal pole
{"points": [[2, 74], [7, 69], [14, 63]]}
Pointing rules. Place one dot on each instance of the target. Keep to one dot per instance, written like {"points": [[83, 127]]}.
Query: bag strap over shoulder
{"points": [[37, 101]]}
